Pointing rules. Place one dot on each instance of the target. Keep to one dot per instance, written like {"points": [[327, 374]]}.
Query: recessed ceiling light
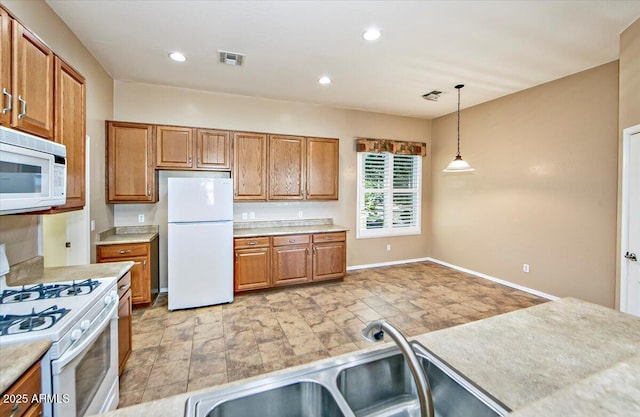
{"points": [[324, 80], [177, 56], [371, 34]]}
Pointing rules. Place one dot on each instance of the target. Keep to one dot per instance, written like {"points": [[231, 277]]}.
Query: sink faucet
{"points": [[374, 332]]}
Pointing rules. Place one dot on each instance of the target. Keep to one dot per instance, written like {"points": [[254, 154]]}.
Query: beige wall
{"points": [[158, 104], [544, 189], [40, 19], [629, 110]]}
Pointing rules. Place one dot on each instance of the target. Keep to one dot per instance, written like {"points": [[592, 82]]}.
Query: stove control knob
{"points": [[107, 300], [85, 324], [76, 334]]}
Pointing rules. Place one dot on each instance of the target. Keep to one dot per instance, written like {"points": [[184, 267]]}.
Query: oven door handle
{"points": [[70, 355]]}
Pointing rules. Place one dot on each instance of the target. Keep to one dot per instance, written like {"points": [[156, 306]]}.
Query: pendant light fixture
{"points": [[458, 164]]}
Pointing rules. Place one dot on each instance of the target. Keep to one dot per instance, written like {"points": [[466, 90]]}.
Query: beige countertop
{"points": [[127, 234], [39, 275], [285, 227], [541, 360], [16, 359]]}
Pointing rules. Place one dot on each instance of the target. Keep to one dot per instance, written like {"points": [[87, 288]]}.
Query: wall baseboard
{"points": [[404, 261], [461, 269], [497, 280]]}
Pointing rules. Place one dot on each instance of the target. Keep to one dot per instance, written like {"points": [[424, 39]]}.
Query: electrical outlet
{"points": [[252, 215], [244, 215], [388, 248], [93, 225], [140, 218], [300, 213], [525, 267]]}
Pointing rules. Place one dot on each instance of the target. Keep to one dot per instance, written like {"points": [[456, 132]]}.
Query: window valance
{"points": [[391, 146]]}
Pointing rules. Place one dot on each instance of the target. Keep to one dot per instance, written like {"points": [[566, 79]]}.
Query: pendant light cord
{"points": [[458, 87]]}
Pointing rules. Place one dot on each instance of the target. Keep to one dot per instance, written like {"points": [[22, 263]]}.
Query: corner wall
{"points": [[544, 189]]}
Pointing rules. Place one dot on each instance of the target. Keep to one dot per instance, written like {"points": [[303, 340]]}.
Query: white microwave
{"points": [[33, 173]]}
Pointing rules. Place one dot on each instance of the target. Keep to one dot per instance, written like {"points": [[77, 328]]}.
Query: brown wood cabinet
{"points": [[24, 389], [32, 74], [291, 260], [70, 130], [144, 273], [322, 169], [286, 167], [124, 321], [192, 149], [213, 149], [249, 166], [252, 268], [131, 175], [294, 259], [174, 147], [329, 256], [5, 68]]}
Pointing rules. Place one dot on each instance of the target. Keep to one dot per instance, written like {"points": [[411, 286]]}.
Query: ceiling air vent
{"points": [[231, 58], [432, 95]]}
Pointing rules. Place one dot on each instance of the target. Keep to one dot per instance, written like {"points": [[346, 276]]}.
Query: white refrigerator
{"points": [[200, 242]]}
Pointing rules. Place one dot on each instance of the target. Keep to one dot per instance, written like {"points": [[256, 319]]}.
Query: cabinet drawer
{"points": [[24, 390], [290, 240], [251, 242], [122, 251], [329, 237], [124, 283]]}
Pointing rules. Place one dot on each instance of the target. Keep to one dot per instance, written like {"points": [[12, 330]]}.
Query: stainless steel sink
{"points": [[301, 399], [370, 384]]}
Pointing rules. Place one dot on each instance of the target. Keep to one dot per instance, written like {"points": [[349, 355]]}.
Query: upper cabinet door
{"points": [[286, 167], [249, 166], [174, 147], [130, 168], [213, 149], [32, 73], [5, 69], [70, 129], [322, 168]]}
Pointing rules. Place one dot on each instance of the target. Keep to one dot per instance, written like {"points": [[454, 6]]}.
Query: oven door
{"points": [[88, 370]]}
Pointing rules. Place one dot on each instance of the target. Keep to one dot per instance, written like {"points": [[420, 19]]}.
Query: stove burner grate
{"points": [[41, 291], [24, 323]]}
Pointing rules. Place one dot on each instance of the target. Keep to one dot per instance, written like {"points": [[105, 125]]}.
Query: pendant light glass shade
{"points": [[458, 164]]}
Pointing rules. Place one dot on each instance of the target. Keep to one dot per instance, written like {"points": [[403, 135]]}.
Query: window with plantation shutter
{"points": [[389, 189]]}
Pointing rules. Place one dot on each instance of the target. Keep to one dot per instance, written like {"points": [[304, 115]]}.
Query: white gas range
{"points": [[80, 370]]}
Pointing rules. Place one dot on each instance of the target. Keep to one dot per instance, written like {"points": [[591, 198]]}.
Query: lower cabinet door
{"points": [[124, 330], [251, 270], [329, 260], [291, 264], [140, 277]]}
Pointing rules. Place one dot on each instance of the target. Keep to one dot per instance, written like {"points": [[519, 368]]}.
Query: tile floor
{"points": [[175, 352]]}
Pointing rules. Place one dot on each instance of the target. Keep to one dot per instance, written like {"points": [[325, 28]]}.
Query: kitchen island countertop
{"points": [[537, 361]]}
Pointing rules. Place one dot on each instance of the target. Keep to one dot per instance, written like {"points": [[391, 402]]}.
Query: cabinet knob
{"points": [[252, 243], [15, 410], [24, 107], [9, 101], [189, 160], [148, 191], [292, 241], [125, 251]]}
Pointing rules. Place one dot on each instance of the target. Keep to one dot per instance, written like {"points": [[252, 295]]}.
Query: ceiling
{"points": [[494, 47]]}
